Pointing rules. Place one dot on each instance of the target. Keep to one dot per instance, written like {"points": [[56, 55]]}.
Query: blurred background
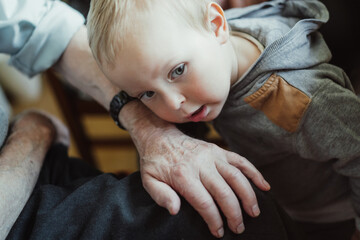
{"points": [[39, 94], [96, 138]]}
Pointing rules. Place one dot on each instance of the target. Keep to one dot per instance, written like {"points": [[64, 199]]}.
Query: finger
{"points": [[162, 194], [248, 169], [199, 198], [226, 199], [240, 184]]}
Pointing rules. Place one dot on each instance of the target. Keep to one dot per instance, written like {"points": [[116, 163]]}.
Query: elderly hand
{"points": [[201, 172], [237, 3]]}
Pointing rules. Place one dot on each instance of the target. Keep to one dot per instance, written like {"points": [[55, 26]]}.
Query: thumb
{"points": [[162, 194]]}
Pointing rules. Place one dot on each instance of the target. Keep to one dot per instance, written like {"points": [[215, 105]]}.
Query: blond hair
{"points": [[109, 22]]}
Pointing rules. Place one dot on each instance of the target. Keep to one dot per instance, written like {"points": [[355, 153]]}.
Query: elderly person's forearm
{"points": [[79, 68], [21, 159]]}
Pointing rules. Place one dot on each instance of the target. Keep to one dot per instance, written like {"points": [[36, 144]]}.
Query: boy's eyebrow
{"points": [[159, 71], [166, 66]]}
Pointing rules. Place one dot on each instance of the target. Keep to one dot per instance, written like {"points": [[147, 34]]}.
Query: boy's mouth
{"points": [[199, 114]]}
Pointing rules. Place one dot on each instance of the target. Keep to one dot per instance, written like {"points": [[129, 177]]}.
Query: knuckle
{"points": [[180, 179], [237, 157], [206, 146], [236, 217], [224, 194], [235, 175], [206, 204], [250, 199], [253, 174], [189, 144], [180, 171]]}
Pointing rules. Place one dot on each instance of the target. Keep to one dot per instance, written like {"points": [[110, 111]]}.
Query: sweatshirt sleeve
{"points": [[36, 32], [331, 132]]}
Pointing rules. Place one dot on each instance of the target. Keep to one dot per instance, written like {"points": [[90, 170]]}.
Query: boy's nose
{"points": [[174, 100]]}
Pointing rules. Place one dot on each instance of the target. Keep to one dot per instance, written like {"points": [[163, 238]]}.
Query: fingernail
{"points": [[220, 232], [266, 184], [170, 209], [256, 210], [240, 228]]}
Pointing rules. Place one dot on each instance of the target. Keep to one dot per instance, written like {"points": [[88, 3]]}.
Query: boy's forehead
{"points": [[155, 51], [157, 12], [166, 11], [150, 54], [155, 23], [154, 39], [155, 33]]}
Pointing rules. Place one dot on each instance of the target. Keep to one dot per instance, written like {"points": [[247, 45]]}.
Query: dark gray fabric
{"points": [[328, 231], [74, 201]]}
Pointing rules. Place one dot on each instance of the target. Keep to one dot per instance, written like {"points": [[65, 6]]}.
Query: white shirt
{"points": [[34, 33]]}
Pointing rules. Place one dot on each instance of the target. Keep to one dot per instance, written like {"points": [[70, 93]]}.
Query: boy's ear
{"points": [[217, 22]]}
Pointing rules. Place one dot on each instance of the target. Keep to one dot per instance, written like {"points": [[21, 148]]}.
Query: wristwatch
{"points": [[116, 104]]}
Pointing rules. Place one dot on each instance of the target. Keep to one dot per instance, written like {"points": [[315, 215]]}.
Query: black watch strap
{"points": [[116, 104]]}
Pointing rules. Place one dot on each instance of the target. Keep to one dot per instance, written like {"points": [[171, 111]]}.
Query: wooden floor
{"points": [[109, 159]]}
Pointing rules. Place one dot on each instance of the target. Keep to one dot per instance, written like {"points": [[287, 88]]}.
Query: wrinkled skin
{"points": [[201, 172]]}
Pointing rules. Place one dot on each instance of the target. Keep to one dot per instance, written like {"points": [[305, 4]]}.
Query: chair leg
{"points": [[73, 118]]}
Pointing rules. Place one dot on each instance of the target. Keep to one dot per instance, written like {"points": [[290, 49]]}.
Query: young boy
{"points": [[261, 75]]}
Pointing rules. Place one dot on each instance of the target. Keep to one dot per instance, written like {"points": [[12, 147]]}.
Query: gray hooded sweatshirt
{"points": [[295, 116]]}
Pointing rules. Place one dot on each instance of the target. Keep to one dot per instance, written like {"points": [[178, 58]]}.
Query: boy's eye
{"points": [[147, 95], [178, 71]]}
